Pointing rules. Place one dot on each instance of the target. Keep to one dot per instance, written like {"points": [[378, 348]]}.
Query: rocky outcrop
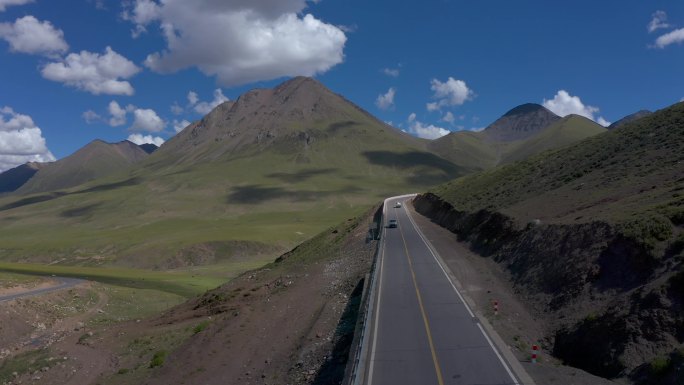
{"points": [[613, 300]]}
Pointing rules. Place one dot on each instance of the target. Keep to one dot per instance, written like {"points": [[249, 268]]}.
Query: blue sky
{"points": [[77, 70]]}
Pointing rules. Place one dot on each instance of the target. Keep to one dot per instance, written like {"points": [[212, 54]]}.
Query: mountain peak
{"points": [[526, 108], [298, 108], [630, 118], [96, 159], [148, 147], [302, 90], [521, 122], [96, 142], [297, 82]]}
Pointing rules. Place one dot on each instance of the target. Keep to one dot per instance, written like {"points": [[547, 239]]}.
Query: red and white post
{"points": [[535, 348], [496, 308]]}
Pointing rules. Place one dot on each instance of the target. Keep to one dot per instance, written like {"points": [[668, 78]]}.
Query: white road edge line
{"points": [[491, 344], [377, 317], [377, 305], [503, 362]]}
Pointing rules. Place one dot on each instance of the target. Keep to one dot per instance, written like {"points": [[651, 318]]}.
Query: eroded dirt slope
{"points": [[613, 305], [285, 323], [289, 322]]}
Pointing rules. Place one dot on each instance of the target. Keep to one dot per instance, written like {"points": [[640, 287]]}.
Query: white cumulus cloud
{"points": [[176, 109], [239, 41], [564, 104], [449, 117], [117, 114], [91, 116], [32, 36], [658, 21], [673, 37], [142, 13], [452, 92], [392, 72], [206, 107], [93, 72], [11, 121], [192, 98], [423, 130], [21, 140], [179, 125], [145, 139], [385, 101], [7, 3], [145, 119]]}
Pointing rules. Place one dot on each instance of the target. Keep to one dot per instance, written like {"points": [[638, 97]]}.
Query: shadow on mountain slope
{"points": [[32, 200], [300, 176], [58, 194], [80, 211], [337, 126], [411, 159], [255, 194], [111, 186]]}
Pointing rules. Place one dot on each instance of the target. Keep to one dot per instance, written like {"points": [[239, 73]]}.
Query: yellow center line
{"points": [[440, 381]]}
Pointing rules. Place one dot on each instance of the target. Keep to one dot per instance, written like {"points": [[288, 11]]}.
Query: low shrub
{"points": [[158, 359], [200, 327]]}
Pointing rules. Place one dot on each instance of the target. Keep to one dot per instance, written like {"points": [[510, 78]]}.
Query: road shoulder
{"points": [[513, 328]]}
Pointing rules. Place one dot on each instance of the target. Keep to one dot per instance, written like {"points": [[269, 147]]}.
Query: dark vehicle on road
{"points": [[392, 223]]}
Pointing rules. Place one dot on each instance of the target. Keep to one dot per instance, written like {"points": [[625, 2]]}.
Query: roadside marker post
{"points": [[496, 308], [535, 348]]}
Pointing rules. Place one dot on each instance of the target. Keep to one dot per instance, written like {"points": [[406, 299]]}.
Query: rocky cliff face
{"points": [[615, 302]]}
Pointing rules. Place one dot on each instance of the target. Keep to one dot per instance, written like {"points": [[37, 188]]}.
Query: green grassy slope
{"points": [[569, 130], [614, 176], [468, 149], [213, 197], [592, 236], [477, 151], [182, 283], [251, 179]]}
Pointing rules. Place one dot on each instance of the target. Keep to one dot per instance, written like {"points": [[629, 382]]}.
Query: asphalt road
{"points": [[63, 283], [422, 331]]}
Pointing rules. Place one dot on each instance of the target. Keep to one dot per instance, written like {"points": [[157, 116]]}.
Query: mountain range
{"points": [[585, 224], [523, 131], [271, 168], [95, 160], [592, 237]]}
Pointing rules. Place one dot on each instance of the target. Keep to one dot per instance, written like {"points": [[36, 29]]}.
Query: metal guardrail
{"points": [[355, 372]]}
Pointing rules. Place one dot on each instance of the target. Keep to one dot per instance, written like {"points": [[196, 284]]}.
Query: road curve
{"points": [[63, 283], [422, 332]]}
